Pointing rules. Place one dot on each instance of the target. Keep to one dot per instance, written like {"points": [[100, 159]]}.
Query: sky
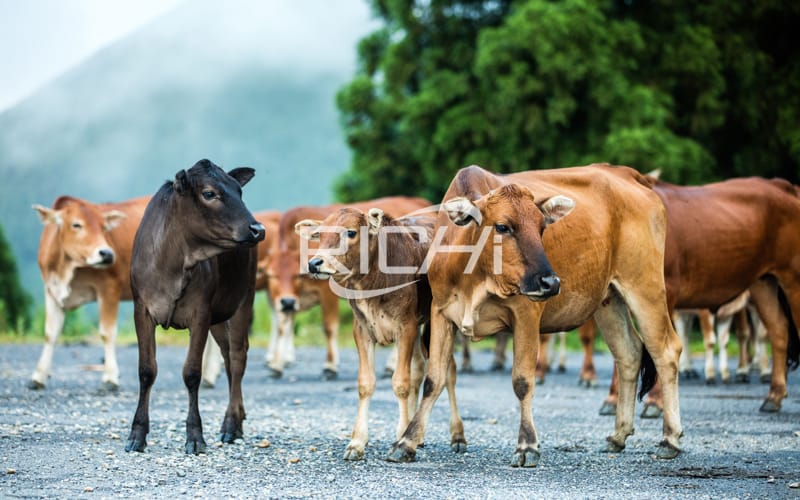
{"points": [[41, 39]]}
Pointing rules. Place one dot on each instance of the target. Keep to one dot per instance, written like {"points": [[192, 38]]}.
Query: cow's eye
{"points": [[77, 225], [502, 228], [352, 234], [209, 195]]}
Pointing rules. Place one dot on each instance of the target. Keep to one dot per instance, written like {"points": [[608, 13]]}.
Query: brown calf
{"points": [[607, 262], [377, 269]]}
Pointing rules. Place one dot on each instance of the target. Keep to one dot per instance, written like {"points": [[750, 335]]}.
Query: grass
{"points": [[81, 326]]}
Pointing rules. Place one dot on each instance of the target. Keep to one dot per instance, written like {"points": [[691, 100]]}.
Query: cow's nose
{"points": [[314, 265], [106, 256], [549, 284], [287, 304], [257, 231]]}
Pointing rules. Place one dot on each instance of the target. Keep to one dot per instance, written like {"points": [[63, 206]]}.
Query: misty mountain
{"points": [[252, 85]]}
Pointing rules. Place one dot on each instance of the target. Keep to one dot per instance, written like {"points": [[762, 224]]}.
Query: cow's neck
{"points": [[58, 280]]}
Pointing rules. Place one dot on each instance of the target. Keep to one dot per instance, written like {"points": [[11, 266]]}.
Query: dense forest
{"points": [[702, 90]]}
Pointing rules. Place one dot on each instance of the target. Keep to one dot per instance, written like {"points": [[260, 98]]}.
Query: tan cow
{"points": [[491, 271], [84, 256], [293, 291], [375, 266]]}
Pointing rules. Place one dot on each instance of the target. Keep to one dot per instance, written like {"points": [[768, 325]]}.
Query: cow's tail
{"points": [[647, 372], [793, 348]]}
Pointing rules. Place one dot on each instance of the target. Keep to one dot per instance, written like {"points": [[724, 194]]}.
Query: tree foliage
{"points": [[14, 300], [702, 90]]}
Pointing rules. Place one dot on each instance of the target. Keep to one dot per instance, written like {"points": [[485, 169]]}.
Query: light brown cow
{"points": [[607, 262], [728, 237], [293, 291], [84, 256], [390, 300]]}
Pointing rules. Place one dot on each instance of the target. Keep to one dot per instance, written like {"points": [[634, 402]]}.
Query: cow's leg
{"points": [[683, 327], [760, 348], [416, 376], [500, 346], [723, 337], [401, 380], [542, 360], [53, 324], [235, 365], [212, 363], [285, 322], [523, 378], [108, 304], [709, 342], [764, 294], [609, 406], [457, 441], [648, 306], [274, 336], [192, 374], [148, 370], [330, 324], [366, 387], [441, 355], [586, 334], [613, 320], [466, 355], [391, 362], [562, 352], [744, 337]]}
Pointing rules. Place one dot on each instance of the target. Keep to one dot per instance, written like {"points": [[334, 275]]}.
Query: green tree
{"points": [[702, 90], [14, 300]]}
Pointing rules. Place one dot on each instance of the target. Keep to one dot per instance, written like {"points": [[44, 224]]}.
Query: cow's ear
{"points": [[111, 219], [48, 215], [556, 207], [308, 229], [181, 184], [462, 211], [242, 174], [375, 220]]}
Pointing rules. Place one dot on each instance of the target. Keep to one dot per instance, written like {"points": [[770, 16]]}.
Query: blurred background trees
{"points": [[14, 300], [702, 90]]}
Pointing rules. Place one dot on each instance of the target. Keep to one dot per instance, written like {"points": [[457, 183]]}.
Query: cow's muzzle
{"points": [[541, 287], [315, 269], [288, 304], [257, 232]]}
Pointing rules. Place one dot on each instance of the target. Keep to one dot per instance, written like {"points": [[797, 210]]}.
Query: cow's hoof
{"points": [[562, 369], [497, 367], [742, 378], [328, 374], [539, 380], [193, 447], [711, 381], [109, 388], [401, 454], [467, 369], [206, 384], [725, 380], [35, 385], [770, 406], [766, 378], [459, 446], [387, 373], [525, 458], [136, 445], [651, 411], [352, 453], [667, 451], [690, 374], [275, 373], [608, 408], [612, 446]]}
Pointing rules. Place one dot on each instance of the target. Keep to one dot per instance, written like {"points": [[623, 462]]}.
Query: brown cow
{"points": [[292, 290], [728, 237], [194, 266], [390, 301], [84, 255], [607, 262]]}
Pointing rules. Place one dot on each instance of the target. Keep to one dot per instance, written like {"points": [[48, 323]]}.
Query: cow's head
{"points": [[515, 223], [285, 279], [81, 230], [340, 238], [209, 204]]}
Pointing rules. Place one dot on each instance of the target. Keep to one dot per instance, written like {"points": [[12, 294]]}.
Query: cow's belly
{"points": [[382, 326]]}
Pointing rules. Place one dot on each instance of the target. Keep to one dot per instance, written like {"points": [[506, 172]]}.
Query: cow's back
{"points": [[724, 236]]}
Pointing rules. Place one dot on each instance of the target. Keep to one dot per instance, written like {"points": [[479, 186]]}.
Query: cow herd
{"points": [[518, 256]]}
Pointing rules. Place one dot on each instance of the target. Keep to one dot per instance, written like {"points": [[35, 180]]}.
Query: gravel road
{"points": [[67, 441]]}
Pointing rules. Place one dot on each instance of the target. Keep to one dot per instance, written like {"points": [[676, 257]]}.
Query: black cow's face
{"points": [[210, 204]]}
